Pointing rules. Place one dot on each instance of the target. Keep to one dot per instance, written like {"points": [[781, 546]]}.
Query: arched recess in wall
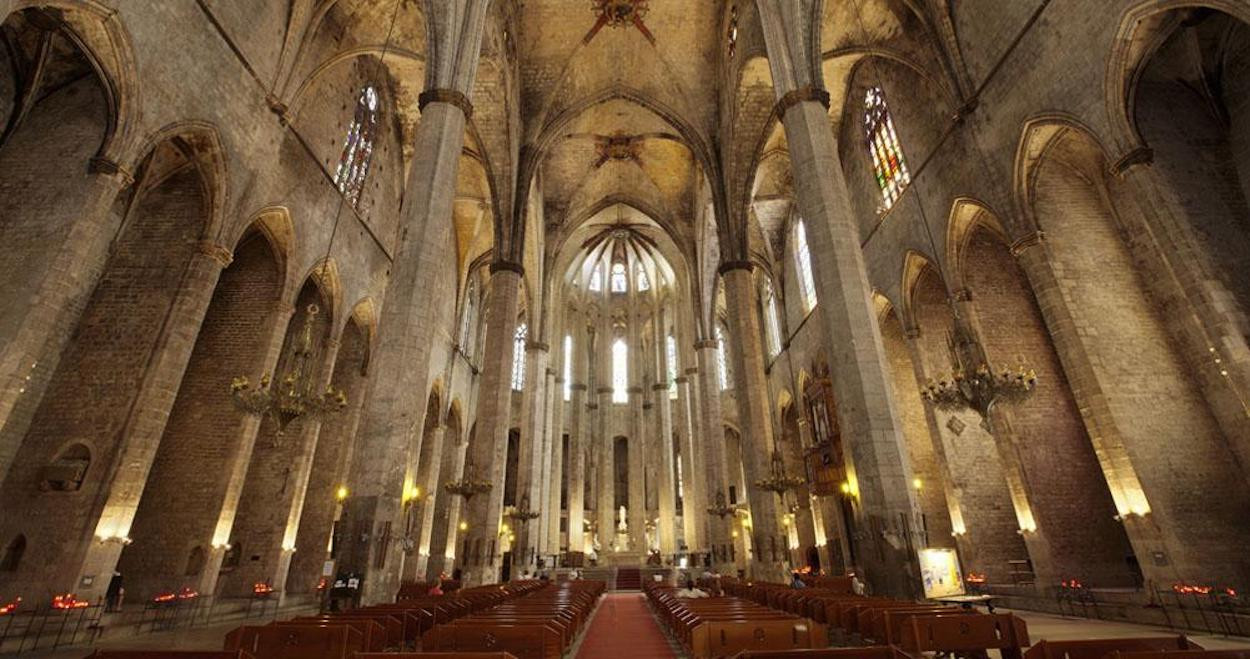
{"points": [[978, 487], [13, 553], [122, 353], [332, 460], [58, 201], [1104, 293], [279, 467], [1060, 467], [185, 499], [923, 450]]}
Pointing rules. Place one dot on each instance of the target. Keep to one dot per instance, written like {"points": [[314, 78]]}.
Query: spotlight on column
{"points": [[341, 493]]}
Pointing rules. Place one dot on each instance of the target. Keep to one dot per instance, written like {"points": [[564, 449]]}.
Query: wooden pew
{"points": [[873, 652], [723, 626], [1183, 654], [540, 624], [963, 633], [298, 641], [167, 654], [1099, 648], [434, 655]]}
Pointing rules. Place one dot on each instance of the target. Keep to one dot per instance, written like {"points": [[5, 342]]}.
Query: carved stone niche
{"points": [[67, 472]]}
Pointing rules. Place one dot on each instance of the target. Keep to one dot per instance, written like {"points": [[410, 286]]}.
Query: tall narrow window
{"points": [[772, 320], [620, 372], [568, 367], [803, 269], [358, 146], [887, 153], [671, 355], [722, 365], [619, 281], [468, 331], [641, 282], [596, 279], [518, 356]]}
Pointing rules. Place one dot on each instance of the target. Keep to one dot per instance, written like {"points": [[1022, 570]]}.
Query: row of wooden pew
{"points": [[540, 625], [723, 626], [889, 628]]}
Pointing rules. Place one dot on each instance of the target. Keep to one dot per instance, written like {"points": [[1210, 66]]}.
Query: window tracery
{"points": [[358, 146], [887, 154]]}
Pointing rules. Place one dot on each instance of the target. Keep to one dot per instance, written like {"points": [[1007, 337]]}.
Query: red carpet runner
{"points": [[623, 627]]}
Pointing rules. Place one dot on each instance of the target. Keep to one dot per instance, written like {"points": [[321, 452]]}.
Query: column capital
{"points": [[1138, 155], [1027, 242], [603, 390], [507, 266], [796, 96], [961, 295], [449, 96], [911, 332], [693, 370], [592, 406], [112, 169], [659, 387], [537, 346], [632, 390], [559, 380], [219, 253], [704, 343], [681, 379], [578, 386], [729, 266], [647, 406]]}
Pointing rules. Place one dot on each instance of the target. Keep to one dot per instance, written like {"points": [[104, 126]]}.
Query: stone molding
{"points": [[507, 266], [705, 343], [578, 387], [796, 96], [450, 96], [659, 387], [603, 390], [219, 253], [633, 390], [681, 379], [1027, 242], [729, 266], [539, 346], [1139, 155], [107, 167], [693, 370]]}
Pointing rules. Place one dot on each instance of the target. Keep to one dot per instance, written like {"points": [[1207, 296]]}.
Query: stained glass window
{"points": [[568, 367], [803, 255], [887, 153], [731, 39], [772, 320], [671, 355], [722, 364], [641, 282], [620, 372], [358, 146], [518, 356], [619, 282], [596, 279]]}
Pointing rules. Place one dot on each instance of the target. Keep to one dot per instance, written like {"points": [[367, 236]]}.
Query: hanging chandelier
{"points": [[522, 513], [720, 508], [777, 481], [468, 486], [295, 396], [980, 387]]}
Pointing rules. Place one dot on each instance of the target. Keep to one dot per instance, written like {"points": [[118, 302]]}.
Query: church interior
{"points": [[612, 328]]}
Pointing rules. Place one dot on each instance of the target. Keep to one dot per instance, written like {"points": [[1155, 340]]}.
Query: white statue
{"points": [[621, 525]]}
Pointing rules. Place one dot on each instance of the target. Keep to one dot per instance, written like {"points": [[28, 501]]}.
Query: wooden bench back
{"points": [[954, 633], [872, 652], [726, 637], [1183, 654], [1099, 648], [167, 654], [297, 641]]}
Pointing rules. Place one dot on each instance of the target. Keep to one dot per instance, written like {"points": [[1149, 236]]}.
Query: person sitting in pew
{"points": [[690, 592], [436, 589], [796, 582]]}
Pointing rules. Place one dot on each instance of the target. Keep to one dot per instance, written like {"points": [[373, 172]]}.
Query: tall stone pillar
{"points": [[877, 461], [667, 483], [637, 513], [711, 445], [530, 465], [606, 473], [489, 448], [578, 439], [406, 331], [770, 544], [429, 497], [555, 478], [694, 499]]}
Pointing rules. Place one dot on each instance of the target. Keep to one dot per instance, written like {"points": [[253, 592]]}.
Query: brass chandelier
{"points": [[721, 508], [468, 486], [777, 481], [978, 387], [295, 395], [522, 513]]}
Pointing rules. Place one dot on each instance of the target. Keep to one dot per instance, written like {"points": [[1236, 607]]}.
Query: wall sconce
{"points": [[120, 539], [917, 483], [341, 493], [222, 546], [464, 526]]}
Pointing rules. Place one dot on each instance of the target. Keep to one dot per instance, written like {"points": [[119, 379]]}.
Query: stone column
{"points": [[406, 331], [877, 459], [530, 462], [489, 448], [693, 496], [711, 446], [637, 513], [555, 478], [429, 491], [769, 541], [606, 474], [667, 527], [579, 418]]}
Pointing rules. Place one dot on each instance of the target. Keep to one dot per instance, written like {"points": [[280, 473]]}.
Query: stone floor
{"points": [[1041, 626]]}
